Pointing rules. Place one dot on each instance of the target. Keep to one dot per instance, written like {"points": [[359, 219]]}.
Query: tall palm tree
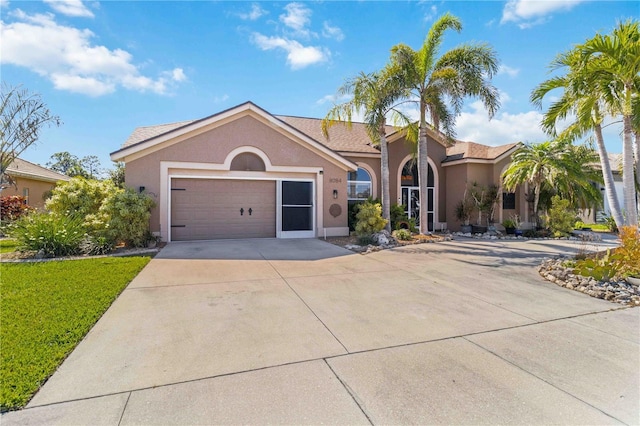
{"points": [[376, 96], [555, 167], [581, 100], [614, 62], [439, 85]]}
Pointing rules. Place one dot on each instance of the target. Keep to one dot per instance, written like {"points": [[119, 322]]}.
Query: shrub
{"points": [[365, 240], [53, 234], [561, 216], [128, 214], [82, 197], [620, 263], [402, 234], [96, 245], [628, 253], [611, 224], [13, 207], [369, 218], [397, 215]]}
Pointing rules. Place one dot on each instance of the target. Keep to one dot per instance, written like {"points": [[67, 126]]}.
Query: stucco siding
{"points": [[37, 191], [214, 146]]}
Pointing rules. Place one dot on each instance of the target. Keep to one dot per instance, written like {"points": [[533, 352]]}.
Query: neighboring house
{"points": [[245, 173], [32, 181]]}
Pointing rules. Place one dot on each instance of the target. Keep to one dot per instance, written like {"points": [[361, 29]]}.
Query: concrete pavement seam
{"points": [[308, 307], [349, 391], [543, 380], [124, 408]]}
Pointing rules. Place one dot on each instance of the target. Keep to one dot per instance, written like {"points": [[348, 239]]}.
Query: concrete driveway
{"points": [[304, 332]]}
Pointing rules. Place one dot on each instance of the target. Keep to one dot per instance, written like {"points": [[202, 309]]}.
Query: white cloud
{"points": [[528, 13], [70, 8], [502, 129], [298, 56], [255, 13], [4, 4], [297, 17], [433, 11], [178, 75], [332, 32], [220, 99], [333, 99], [511, 72], [66, 56]]}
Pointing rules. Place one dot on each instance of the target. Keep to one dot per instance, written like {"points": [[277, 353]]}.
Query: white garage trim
{"points": [[170, 170]]}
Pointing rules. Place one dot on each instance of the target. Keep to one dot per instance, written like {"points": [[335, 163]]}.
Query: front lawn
{"points": [[45, 310], [7, 245]]}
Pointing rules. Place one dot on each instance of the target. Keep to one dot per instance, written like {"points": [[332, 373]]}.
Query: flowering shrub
{"points": [[82, 197], [128, 214], [12, 207], [53, 234]]}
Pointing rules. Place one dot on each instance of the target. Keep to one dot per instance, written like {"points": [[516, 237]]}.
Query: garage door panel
{"points": [[210, 209]]}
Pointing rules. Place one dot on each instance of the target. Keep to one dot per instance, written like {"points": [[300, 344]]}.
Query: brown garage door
{"points": [[206, 209]]}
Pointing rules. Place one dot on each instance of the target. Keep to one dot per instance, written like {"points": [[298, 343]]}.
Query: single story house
{"points": [[32, 181], [245, 173]]}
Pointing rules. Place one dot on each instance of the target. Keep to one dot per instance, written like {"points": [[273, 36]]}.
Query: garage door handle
{"points": [[241, 211], [250, 211]]}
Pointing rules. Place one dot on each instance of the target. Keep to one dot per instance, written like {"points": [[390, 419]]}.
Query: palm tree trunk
{"points": [[607, 176], [536, 199], [423, 169], [628, 178], [384, 170]]}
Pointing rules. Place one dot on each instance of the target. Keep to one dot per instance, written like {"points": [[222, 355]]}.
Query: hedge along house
{"points": [[244, 173]]}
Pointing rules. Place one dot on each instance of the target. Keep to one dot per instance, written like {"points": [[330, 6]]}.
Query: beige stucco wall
{"points": [[37, 190], [214, 146], [398, 152]]}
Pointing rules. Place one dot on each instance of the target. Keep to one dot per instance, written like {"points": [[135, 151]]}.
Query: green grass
{"points": [[45, 310], [7, 245]]}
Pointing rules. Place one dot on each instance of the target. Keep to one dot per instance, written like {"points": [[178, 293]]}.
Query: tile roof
{"points": [[147, 132], [29, 170], [341, 138], [464, 150]]}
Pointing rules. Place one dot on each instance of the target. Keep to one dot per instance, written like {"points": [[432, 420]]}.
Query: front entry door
{"points": [[411, 202]]}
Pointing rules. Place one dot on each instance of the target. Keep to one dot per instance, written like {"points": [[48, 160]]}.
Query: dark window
{"points": [[247, 161], [409, 175], [297, 206], [508, 201]]}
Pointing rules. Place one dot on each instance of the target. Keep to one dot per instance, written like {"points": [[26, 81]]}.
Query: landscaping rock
{"points": [[555, 271]]}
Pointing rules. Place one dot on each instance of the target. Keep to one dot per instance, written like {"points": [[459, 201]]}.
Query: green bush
{"points": [[619, 263], [96, 245], [82, 197], [402, 234], [53, 234], [369, 218], [128, 213], [365, 240], [561, 216]]}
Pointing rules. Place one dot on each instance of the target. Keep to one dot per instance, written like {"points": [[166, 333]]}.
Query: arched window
{"points": [[358, 185], [247, 161]]}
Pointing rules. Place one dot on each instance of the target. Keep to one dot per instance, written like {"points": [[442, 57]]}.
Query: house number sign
{"points": [[335, 180]]}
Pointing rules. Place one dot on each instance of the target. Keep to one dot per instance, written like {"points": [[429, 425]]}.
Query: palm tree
{"points": [[555, 167], [375, 95], [434, 80], [581, 100], [613, 61]]}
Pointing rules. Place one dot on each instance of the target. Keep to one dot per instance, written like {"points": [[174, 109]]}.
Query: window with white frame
{"points": [[358, 185]]}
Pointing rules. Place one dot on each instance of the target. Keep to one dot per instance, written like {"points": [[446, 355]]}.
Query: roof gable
{"points": [[29, 170], [470, 151], [149, 139]]}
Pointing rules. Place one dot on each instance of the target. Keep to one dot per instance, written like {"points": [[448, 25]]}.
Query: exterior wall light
{"points": [[335, 194]]}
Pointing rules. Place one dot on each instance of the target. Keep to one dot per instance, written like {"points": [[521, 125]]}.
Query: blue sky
{"points": [[106, 67]]}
